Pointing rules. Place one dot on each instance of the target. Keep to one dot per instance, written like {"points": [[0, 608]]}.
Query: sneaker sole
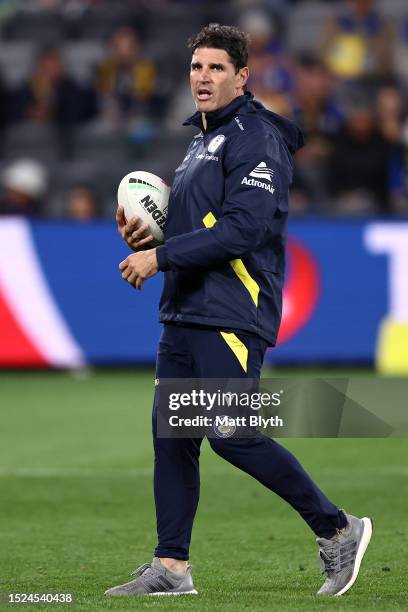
{"points": [[364, 542], [169, 593]]}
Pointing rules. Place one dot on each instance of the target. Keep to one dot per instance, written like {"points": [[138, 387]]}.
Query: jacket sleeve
{"points": [[254, 185]]}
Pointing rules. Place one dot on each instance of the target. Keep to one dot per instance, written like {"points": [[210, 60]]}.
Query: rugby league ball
{"points": [[146, 195]]}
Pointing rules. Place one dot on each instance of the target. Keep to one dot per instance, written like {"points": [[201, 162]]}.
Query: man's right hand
{"points": [[135, 235]]}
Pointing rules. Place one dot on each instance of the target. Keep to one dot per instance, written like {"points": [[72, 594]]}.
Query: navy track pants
{"points": [[194, 352]]}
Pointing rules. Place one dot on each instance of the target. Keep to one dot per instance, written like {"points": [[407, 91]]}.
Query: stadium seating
{"points": [[42, 27], [80, 58], [31, 140], [81, 30], [15, 60]]}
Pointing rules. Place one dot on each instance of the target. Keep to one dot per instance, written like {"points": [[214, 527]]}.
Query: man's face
{"points": [[213, 80]]}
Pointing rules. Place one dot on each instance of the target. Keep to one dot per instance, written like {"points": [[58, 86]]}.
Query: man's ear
{"points": [[243, 75]]}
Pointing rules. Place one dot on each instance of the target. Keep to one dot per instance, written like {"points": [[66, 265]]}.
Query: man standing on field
{"points": [[223, 262]]}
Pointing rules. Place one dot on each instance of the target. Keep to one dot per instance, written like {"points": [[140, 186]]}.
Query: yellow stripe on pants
{"points": [[237, 347], [238, 266]]}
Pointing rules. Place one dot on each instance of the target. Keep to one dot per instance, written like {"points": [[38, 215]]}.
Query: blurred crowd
{"points": [[92, 89]]}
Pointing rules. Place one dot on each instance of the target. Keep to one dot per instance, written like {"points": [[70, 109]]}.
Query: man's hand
{"points": [[139, 267], [135, 237]]}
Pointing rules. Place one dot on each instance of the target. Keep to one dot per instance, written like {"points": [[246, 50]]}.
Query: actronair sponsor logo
{"points": [[262, 171], [253, 183]]}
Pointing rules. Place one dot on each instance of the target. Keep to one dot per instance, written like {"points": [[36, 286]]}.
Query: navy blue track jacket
{"points": [[224, 251]]}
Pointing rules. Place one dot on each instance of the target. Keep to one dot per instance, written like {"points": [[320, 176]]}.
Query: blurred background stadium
{"points": [[90, 90]]}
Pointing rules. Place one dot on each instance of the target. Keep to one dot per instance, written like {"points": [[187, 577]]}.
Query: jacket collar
{"points": [[222, 115]]}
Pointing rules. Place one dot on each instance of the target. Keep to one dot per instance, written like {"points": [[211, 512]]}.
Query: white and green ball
{"points": [[146, 195]]}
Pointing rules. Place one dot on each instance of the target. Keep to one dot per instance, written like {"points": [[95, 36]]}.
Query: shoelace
{"points": [[329, 558], [141, 570], [146, 572]]}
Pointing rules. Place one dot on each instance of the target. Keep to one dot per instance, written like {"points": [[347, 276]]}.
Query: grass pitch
{"points": [[76, 507]]}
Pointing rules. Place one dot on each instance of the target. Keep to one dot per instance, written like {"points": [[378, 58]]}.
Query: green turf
{"points": [[76, 510]]}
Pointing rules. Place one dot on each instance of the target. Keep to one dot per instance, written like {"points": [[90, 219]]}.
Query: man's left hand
{"points": [[139, 267]]}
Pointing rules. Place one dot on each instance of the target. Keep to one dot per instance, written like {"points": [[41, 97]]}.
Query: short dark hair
{"points": [[231, 39]]}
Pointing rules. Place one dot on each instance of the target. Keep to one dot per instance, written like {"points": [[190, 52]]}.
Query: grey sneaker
{"points": [[154, 579], [341, 556]]}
